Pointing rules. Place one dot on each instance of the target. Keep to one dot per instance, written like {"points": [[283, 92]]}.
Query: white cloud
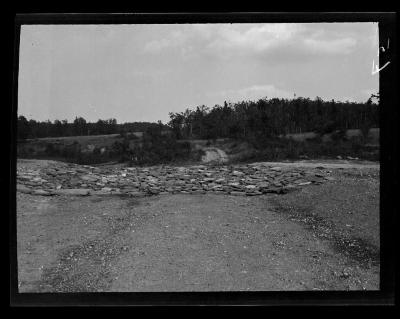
{"points": [[258, 38], [174, 39], [338, 46], [285, 39], [156, 45]]}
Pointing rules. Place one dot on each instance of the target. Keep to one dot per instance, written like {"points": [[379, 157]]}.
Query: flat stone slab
{"points": [[238, 193], [41, 192], [137, 194], [23, 189], [73, 192]]}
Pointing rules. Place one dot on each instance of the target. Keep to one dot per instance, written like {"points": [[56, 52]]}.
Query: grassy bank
{"points": [[152, 149], [277, 149], [155, 148]]}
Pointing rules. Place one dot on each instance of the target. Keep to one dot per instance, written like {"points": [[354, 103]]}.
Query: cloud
{"points": [[224, 37], [156, 45], [258, 38], [284, 40], [338, 46], [175, 38], [253, 93]]}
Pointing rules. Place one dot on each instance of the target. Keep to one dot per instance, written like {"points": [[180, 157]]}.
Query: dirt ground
{"points": [[321, 237]]}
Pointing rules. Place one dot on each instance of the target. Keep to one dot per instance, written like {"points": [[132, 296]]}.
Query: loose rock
{"points": [[81, 180]]}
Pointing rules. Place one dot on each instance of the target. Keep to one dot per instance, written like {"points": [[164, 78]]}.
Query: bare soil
{"points": [[213, 154], [322, 237]]}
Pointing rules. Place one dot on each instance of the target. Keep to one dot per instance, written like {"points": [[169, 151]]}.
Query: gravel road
{"points": [[323, 237]]}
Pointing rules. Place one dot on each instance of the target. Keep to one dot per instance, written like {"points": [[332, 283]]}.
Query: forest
{"points": [[273, 117], [30, 129], [244, 119]]}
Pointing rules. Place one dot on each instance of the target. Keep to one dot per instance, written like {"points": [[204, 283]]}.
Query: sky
{"points": [[143, 72]]}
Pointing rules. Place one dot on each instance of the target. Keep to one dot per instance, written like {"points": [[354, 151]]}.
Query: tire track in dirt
{"points": [[86, 267], [319, 212]]}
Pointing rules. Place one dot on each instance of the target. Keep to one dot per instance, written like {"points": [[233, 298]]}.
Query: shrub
{"points": [[271, 149], [52, 150], [157, 149], [326, 128], [364, 128], [339, 135]]}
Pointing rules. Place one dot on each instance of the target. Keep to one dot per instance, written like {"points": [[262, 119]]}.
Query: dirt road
{"points": [[323, 237]]}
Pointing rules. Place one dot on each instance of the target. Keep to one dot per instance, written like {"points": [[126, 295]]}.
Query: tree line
{"points": [[265, 117], [27, 129], [273, 117]]}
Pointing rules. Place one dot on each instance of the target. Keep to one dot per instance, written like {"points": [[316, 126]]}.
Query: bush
{"points": [[273, 149], [364, 128], [157, 149], [339, 135], [52, 150], [326, 128]]}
